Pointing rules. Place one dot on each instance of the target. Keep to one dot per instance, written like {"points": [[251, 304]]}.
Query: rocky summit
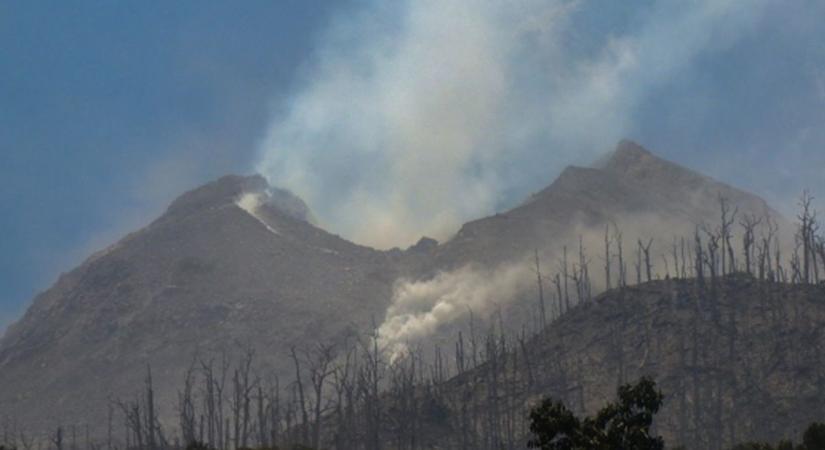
{"points": [[237, 263]]}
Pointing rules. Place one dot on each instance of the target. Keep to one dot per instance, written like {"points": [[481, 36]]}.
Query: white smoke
{"points": [[418, 115], [420, 307], [251, 203]]}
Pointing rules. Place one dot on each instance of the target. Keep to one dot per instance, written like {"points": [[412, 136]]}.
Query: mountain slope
{"points": [[643, 199], [238, 263], [207, 275], [644, 195], [736, 360]]}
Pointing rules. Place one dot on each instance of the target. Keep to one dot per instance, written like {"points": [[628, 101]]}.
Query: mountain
{"points": [[237, 263], [644, 199], [218, 270], [737, 358], [642, 194]]}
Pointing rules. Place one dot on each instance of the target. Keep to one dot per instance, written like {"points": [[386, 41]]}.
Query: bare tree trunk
{"points": [[151, 417], [749, 224], [727, 220], [622, 268], [57, 439], [607, 260], [540, 284], [301, 398], [186, 408], [645, 250], [319, 370], [559, 295], [109, 427], [585, 272], [565, 277], [806, 218]]}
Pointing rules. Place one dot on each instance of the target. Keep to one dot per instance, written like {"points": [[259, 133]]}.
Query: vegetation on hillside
{"points": [[732, 327]]}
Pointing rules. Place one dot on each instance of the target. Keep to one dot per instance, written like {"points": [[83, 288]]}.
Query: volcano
{"points": [[237, 263]]}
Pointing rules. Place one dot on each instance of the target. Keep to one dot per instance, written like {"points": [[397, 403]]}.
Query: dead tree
{"points": [[320, 367], [607, 260], [241, 399], [675, 256], [473, 341], [210, 404], [644, 251], [262, 413], [460, 361], [803, 233], [727, 218], [768, 233], [712, 253], [299, 384], [581, 274], [275, 416], [133, 419], [26, 442], [781, 276], [685, 255], [57, 439], [370, 377], [186, 408], [522, 340], [491, 373], [344, 386], [559, 295], [151, 416], [540, 285], [620, 255], [796, 263], [699, 263], [806, 236], [749, 223], [213, 397], [565, 276], [109, 417]]}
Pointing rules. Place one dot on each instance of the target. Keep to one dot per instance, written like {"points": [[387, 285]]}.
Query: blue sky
{"points": [[108, 110]]}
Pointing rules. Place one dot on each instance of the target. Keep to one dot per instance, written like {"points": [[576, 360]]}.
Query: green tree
{"points": [[814, 437], [555, 427], [624, 424]]}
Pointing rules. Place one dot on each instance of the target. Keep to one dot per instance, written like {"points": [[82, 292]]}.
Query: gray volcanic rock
{"points": [[644, 195], [238, 263], [755, 375], [207, 275]]}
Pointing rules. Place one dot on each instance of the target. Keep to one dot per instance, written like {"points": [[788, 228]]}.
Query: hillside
{"points": [[644, 195], [737, 359], [239, 264], [206, 276], [741, 360]]}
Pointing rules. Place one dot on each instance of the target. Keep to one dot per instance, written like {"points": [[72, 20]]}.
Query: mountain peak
{"points": [[232, 188], [630, 147], [221, 191], [634, 162], [629, 155]]}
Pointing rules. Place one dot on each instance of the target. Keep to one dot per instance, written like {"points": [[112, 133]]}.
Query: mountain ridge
{"points": [[211, 272]]}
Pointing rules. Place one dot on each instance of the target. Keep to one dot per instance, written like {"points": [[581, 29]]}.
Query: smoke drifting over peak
{"points": [[416, 116]]}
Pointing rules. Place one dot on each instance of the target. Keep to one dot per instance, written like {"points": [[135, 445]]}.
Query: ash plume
{"points": [[419, 308], [415, 116]]}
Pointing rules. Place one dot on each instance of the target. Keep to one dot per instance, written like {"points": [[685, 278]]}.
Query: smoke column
{"points": [[415, 116]]}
